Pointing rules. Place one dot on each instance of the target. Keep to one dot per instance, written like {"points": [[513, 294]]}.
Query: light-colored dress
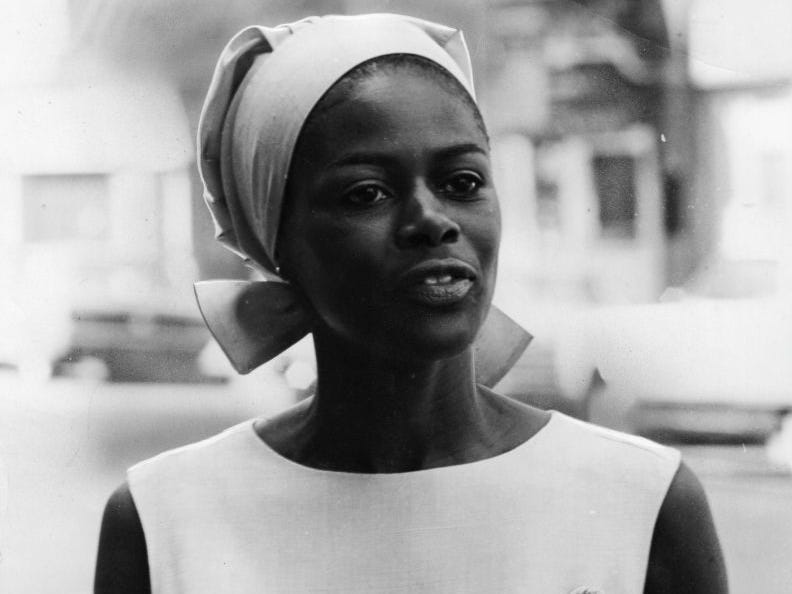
{"points": [[571, 510]]}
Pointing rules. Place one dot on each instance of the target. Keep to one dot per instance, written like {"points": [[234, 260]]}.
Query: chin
{"points": [[433, 338], [406, 332]]}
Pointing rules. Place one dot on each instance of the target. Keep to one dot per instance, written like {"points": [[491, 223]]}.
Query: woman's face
{"points": [[392, 227]]}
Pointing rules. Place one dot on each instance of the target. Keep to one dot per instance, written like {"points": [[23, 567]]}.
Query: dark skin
{"points": [[398, 174]]}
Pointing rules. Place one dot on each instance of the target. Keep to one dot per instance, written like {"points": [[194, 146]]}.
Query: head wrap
{"points": [[265, 84]]}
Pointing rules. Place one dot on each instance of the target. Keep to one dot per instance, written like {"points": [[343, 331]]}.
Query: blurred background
{"points": [[643, 153]]}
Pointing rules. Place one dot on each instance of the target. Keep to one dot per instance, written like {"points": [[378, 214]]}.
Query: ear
{"points": [[280, 260], [283, 269], [282, 255]]}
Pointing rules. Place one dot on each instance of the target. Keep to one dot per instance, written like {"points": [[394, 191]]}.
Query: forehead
{"points": [[395, 104]]}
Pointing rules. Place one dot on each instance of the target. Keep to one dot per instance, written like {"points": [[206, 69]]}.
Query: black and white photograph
{"points": [[391, 296]]}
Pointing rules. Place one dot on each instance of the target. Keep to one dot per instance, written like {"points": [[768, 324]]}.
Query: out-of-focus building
{"points": [[642, 144], [575, 99], [739, 64]]}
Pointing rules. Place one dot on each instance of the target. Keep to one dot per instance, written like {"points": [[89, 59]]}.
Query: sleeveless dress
{"points": [[572, 510]]}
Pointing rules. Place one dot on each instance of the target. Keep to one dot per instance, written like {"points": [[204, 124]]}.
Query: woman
{"points": [[345, 158]]}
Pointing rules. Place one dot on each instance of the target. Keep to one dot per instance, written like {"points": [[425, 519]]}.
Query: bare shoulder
{"points": [[685, 556], [121, 563]]}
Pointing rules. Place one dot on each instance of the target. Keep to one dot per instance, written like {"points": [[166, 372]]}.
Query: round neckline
{"points": [[530, 442]]}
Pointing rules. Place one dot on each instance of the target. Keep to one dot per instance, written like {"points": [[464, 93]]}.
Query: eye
{"points": [[464, 184], [366, 195]]}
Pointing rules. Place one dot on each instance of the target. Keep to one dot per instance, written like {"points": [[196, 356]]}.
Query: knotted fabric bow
{"points": [[266, 82]]}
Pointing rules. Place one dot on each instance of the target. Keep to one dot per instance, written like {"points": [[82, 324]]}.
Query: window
{"points": [[65, 207], [615, 182]]}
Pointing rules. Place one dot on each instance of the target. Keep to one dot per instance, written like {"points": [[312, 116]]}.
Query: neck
{"points": [[378, 415]]}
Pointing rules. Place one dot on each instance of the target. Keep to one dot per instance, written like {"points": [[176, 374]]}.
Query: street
{"points": [[64, 447]]}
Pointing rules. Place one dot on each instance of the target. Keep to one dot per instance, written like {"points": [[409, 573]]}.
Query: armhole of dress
{"points": [[674, 461], [148, 542]]}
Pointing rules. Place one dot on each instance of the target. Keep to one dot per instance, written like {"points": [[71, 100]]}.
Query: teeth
{"points": [[438, 280]]}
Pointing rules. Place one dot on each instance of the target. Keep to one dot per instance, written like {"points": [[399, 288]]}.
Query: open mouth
{"points": [[441, 293], [441, 282]]}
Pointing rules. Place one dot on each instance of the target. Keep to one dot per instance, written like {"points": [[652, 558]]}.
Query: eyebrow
{"points": [[382, 159]]}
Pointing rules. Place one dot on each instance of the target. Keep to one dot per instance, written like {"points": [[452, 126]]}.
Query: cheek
{"points": [[344, 279], [494, 218], [484, 232], [345, 248], [340, 263]]}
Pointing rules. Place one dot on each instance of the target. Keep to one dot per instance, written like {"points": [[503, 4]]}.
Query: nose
{"points": [[424, 221]]}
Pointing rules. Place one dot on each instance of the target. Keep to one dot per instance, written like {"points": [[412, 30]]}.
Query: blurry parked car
{"points": [[711, 362], [700, 368], [140, 343]]}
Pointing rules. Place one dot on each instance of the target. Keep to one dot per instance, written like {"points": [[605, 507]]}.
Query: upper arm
{"points": [[121, 563], [685, 556]]}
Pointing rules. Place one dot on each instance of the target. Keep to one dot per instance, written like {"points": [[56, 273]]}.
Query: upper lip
{"points": [[444, 267]]}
